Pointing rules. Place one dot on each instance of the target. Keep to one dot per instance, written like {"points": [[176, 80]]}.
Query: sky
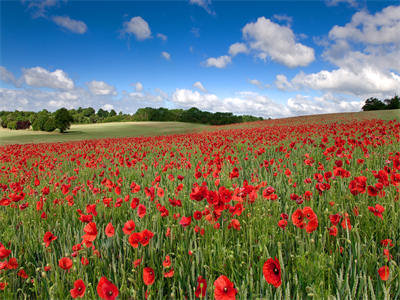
{"points": [[264, 58]]}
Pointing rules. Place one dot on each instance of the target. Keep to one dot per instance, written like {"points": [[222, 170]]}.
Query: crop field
{"points": [[97, 131], [278, 209]]}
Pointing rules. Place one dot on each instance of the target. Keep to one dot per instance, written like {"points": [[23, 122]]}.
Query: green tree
{"points": [[49, 125], [373, 104], [393, 103], [63, 119]]}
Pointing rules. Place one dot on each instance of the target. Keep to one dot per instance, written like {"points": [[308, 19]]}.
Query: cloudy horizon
{"points": [[267, 59]]}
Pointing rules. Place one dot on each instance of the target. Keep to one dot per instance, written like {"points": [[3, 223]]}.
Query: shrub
{"points": [[23, 124], [63, 119], [50, 125]]}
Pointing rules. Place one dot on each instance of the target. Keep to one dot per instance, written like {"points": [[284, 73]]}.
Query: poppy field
{"points": [[272, 209]]}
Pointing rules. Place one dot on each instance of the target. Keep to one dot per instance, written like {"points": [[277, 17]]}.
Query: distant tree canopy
{"points": [[63, 118], [376, 104]]}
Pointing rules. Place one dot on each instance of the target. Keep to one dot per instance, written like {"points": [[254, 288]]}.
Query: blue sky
{"points": [[267, 58]]}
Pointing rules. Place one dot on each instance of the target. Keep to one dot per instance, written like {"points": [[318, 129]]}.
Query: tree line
{"points": [[376, 104], [63, 118]]}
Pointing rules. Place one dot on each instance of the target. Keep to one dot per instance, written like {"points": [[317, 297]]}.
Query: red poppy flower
{"points": [[48, 238], [169, 274], [148, 276], [197, 215], [384, 273], [129, 227], [141, 210], [272, 272], [137, 262], [297, 218], [201, 287], [185, 221], [134, 239], [22, 274], [110, 231], [234, 224], [79, 289], [146, 235], [91, 232], [65, 263], [4, 252], [224, 289], [167, 261], [106, 289]]}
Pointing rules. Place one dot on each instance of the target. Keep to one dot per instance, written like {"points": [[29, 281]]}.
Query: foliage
{"points": [[63, 119], [49, 125], [376, 104]]}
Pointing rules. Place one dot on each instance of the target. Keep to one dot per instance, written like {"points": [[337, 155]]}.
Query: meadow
{"points": [[294, 208]]}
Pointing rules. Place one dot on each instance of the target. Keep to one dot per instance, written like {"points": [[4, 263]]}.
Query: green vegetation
{"points": [[376, 104], [98, 131], [63, 118]]}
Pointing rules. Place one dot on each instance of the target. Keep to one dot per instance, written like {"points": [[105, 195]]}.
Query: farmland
{"points": [[279, 208]]}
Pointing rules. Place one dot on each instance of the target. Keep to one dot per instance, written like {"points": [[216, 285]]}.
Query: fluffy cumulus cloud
{"points": [[277, 42], [366, 54], [100, 88], [219, 62], [204, 4], [138, 27], [198, 85], [166, 55], [40, 77], [237, 48], [74, 26]]}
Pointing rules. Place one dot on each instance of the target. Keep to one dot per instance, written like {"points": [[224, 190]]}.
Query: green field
{"points": [[97, 131]]}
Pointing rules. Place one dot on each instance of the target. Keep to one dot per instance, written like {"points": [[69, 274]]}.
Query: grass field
{"points": [[301, 208], [97, 131]]}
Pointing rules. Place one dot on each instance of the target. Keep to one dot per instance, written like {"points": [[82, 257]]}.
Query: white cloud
{"points": [[269, 39], [40, 77], [39, 7], [162, 36], [70, 24], [352, 3], [108, 107], [366, 54], [138, 27], [101, 88], [138, 86], [219, 62], [282, 82], [204, 4], [283, 18], [237, 48], [198, 85], [166, 55], [8, 77], [381, 28]]}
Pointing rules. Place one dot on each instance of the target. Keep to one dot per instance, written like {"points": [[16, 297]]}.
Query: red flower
{"points": [[335, 219], [22, 274], [224, 289], [201, 287], [79, 289], [141, 210], [297, 218], [167, 261], [107, 290], [169, 274], [282, 223], [185, 221], [148, 276], [110, 231], [129, 227], [65, 263], [4, 252], [272, 272], [146, 236], [91, 232], [377, 210], [384, 273], [48, 238], [134, 239]]}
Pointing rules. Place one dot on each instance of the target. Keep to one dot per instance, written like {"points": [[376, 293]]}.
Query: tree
{"points": [[63, 119], [112, 113], [373, 104], [393, 103], [50, 125]]}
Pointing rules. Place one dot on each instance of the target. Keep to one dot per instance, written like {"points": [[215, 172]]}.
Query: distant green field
{"points": [[97, 131]]}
